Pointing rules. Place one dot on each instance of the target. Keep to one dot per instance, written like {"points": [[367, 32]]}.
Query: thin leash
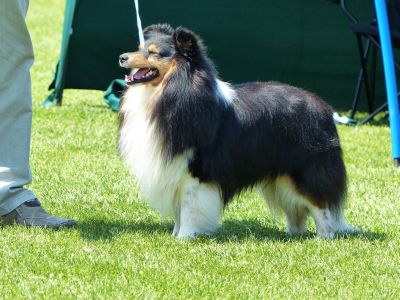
{"points": [[139, 23]]}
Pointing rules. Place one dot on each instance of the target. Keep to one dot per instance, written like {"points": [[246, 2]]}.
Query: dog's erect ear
{"points": [[187, 43], [158, 28]]}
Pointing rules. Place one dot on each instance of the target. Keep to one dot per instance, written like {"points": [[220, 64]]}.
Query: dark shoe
{"points": [[31, 213]]}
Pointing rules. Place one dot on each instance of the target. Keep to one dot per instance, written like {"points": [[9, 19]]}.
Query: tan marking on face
{"points": [[153, 49], [137, 60], [164, 68]]}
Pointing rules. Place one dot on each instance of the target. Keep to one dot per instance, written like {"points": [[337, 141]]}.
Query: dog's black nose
{"points": [[123, 58]]}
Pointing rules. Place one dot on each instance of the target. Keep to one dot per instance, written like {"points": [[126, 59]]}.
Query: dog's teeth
{"points": [[128, 78]]}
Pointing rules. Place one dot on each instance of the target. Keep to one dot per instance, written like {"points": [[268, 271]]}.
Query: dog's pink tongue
{"points": [[140, 73]]}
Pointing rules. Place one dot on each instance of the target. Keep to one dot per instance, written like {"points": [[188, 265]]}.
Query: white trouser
{"points": [[16, 58]]}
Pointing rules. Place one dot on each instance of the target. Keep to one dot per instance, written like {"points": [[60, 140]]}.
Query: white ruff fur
{"points": [[142, 152], [167, 186], [226, 91]]}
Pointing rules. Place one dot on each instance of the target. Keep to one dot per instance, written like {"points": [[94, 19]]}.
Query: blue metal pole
{"points": [[390, 77]]}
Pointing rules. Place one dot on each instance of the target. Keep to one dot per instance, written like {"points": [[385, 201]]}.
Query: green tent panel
{"points": [[57, 84], [306, 43]]}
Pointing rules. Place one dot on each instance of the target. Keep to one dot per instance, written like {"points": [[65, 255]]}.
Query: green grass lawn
{"points": [[121, 249]]}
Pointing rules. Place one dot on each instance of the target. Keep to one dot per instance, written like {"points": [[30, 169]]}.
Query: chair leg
{"points": [[363, 61], [364, 52], [377, 111], [374, 113], [357, 93], [373, 77]]}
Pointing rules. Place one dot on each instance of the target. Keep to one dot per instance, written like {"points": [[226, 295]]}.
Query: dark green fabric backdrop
{"points": [[306, 43]]}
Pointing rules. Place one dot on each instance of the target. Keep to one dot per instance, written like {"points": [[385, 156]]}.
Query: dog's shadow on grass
{"points": [[108, 230], [241, 230], [230, 231]]}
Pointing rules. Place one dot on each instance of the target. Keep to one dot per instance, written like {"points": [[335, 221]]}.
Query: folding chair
{"points": [[368, 41]]}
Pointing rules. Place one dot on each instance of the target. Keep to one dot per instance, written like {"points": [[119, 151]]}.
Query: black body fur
{"points": [[268, 129]]}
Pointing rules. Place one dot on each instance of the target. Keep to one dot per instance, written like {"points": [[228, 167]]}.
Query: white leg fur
{"points": [[324, 222], [330, 222], [200, 209], [341, 225]]}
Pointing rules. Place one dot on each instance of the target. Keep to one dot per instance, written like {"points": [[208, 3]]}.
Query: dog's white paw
{"points": [[326, 234], [348, 229], [186, 234], [326, 231]]}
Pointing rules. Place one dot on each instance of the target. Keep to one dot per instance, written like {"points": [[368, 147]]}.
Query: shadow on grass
{"points": [[230, 231], [254, 230], [107, 230]]}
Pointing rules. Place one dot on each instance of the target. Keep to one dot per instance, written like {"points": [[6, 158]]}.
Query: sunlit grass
{"points": [[121, 249]]}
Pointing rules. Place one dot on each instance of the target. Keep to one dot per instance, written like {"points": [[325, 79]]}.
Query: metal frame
{"points": [[371, 44]]}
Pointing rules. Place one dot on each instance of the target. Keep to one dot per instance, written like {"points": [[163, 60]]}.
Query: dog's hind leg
{"points": [[296, 218], [340, 223], [280, 195], [323, 184], [330, 221], [200, 208], [324, 222]]}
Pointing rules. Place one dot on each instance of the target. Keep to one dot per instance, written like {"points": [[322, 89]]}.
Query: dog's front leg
{"points": [[200, 209]]}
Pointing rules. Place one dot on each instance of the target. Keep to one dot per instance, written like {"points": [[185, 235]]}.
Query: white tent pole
{"points": [[139, 23]]}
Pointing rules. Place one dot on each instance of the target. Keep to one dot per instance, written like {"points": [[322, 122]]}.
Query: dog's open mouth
{"points": [[141, 75]]}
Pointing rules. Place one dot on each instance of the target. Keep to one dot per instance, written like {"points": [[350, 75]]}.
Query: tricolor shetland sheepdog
{"points": [[193, 142]]}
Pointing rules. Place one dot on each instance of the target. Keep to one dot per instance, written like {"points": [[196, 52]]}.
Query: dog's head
{"points": [[162, 50]]}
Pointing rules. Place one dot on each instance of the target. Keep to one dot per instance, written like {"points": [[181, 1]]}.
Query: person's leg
{"points": [[16, 58]]}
